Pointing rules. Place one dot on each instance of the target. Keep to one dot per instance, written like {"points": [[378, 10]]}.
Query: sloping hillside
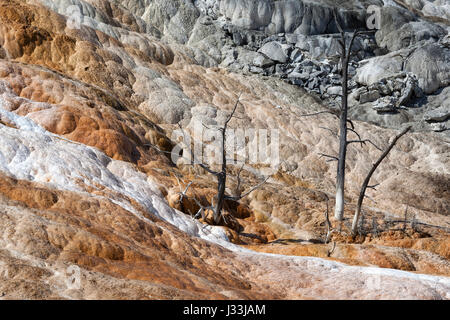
{"points": [[90, 94]]}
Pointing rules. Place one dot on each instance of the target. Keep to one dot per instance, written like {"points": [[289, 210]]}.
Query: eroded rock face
{"points": [[302, 17], [431, 63], [228, 34], [409, 77], [85, 117], [436, 8]]}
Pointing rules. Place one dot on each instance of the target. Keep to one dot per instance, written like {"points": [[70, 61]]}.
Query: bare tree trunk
{"points": [[340, 176], [369, 175], [222, 177], [346, 53], [221, 180]]}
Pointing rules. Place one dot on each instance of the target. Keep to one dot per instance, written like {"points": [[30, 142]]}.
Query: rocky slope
{"points": [[295, 40], [90, 92]]}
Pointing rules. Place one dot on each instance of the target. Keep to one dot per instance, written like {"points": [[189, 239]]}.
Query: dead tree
{"points": [[345, 124], [365, 184], [346, 52], [221, 175]]}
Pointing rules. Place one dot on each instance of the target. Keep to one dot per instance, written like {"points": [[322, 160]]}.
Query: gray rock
{"points": [[369, 96], [335, 69], [431, 64], [262, 61], [351, 70], [229, 60], [356, 94], [325, 68], [208, 7], [334, 91], [209, 41], [274, 51], [270, 70], [295, 74], [291, 38], [437, 115], [386, 88], [408, 92], [296, 55], [248, 57], [352, 84], [445, 41], [307, 63], [412, 33], [436, 8], [392, 20], [298, 17], [280, 70], [439, 127], [385, 104], [257, 70], [302, 42], [317, 74], [304, 76], [297, 82], [373, 70], [238, 39], [313, 84]]}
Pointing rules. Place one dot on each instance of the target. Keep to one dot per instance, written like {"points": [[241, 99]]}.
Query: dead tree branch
{"points": [[217, 203], [363, 142], [317, 113], [332, 158], [355, 132], [237, 198], [369, 175]]}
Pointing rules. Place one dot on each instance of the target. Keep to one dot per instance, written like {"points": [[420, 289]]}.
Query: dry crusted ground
{"points": [[123, 91]]}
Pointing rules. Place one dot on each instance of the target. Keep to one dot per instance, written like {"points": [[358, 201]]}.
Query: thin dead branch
{"points": [[369, 176]]}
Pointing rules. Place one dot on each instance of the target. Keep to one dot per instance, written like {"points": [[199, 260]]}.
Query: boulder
{"points": [[296, 55], [369, 96], [445, 41], [334, 91], [274, 51], [375, 69], [412, 33], [385, 104], [392, 19], [408, 91], [437, 115], [431, 64], [439, 127], [437, 8], [262, 61], [291, 38]]}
